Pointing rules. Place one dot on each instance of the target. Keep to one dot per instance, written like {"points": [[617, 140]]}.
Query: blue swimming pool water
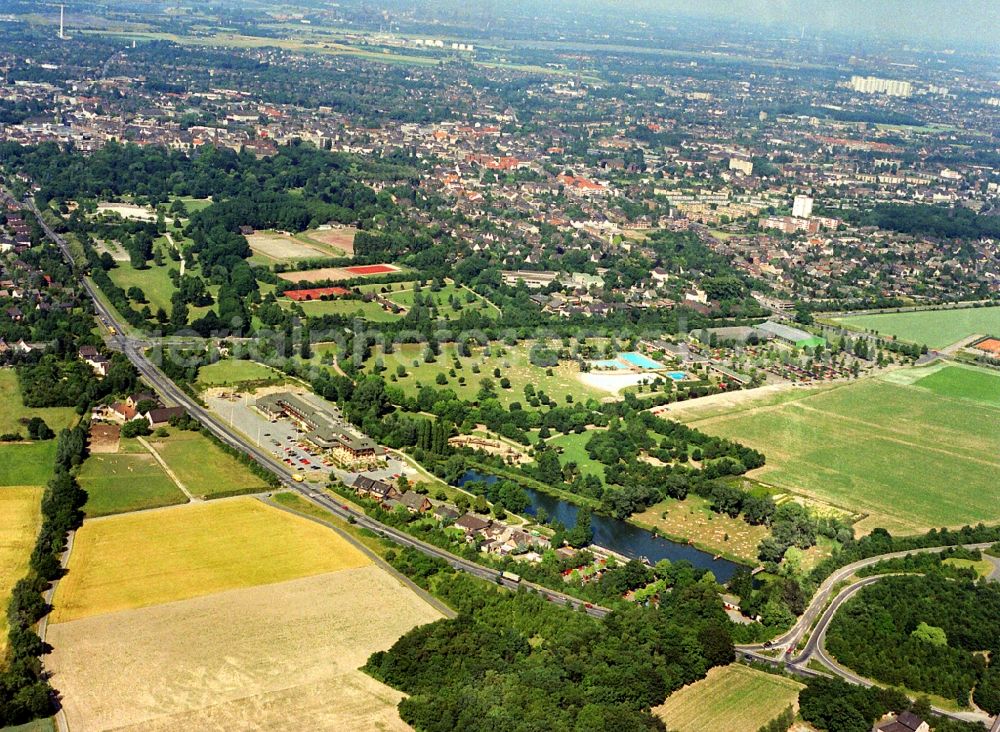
{"points": [[643, 362], [676, 375], [611, 364]]}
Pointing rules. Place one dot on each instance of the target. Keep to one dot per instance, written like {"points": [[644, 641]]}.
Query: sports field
{"points": [[909, 457], [935, 328], [117, 483], [20, 519], [276, 246], [372, 311], [338, 273], [142, 559], [202, 466], [12, 409], [731, 697], [29, 463]]}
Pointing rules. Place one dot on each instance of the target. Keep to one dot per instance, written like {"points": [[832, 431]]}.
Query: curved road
{"points": [[786, 642], [170, 391]]}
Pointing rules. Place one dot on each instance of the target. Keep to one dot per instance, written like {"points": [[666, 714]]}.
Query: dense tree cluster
{"points": [[511, 661]]}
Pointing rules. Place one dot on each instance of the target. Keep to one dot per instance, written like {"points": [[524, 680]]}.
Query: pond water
{"points": [[620, 536]]}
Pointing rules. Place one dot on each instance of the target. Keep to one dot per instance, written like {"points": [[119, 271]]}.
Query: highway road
{"points": [[133, 349], [169, 391]]}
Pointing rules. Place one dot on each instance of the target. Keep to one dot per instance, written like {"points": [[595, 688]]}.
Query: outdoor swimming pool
{"points": [[676, 375], [609, 364], [643, 362]]}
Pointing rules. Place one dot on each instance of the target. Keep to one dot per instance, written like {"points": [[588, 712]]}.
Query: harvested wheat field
{"points": [[20, 519], [278, 656], [142, 559]]}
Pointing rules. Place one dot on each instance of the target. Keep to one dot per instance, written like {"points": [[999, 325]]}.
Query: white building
{"points": [[802, 208], [876, 85]]}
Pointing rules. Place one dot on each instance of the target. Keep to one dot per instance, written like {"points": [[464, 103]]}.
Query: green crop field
{"points": [[729, 698], [202, 466], [965, 383], [935, 328], [512, 361], [29, 463], [118, 483], [234, 371], [13, 410], [910, 458]]}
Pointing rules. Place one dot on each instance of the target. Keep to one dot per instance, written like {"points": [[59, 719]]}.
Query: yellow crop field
{"points": [[20, 518], [136, 560], [280, 656], [733, 697]]}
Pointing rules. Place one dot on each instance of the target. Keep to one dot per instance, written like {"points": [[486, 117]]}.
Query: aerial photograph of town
{"points": [[500, 366]]}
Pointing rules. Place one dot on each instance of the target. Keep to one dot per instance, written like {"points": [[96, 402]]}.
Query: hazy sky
{"points": [[941, 21]]}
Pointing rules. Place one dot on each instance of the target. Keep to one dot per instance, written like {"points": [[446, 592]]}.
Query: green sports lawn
{"points": [[934, 328], [909, 457]]}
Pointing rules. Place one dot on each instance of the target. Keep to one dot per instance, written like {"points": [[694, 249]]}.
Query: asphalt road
{"points": [[171, 392], [167, 389]]}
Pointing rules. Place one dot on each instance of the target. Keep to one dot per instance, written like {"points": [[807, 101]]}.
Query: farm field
{"points": [[693, 519], [117, 483], [29, 463], [20, 519], [202, 466], [14, 411], [729, 698], [235, 371], [908, 457], [964, 383], [513, 362], [200, 549], [279, 656], [935, 328]]}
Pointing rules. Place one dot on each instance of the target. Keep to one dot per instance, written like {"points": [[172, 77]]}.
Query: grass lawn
{"points": [[38, 725], [202, 466], [574, 451], [442, 300], [154, 282], [732, 697], [235, 371], [965, 383], [20, 519], [983, 567], [29, 463], [352, 308], [513, 362], [935, 328], [693, 519], [910, 458], [118, 483], [13, 410], [144, 559], [193, 204]]}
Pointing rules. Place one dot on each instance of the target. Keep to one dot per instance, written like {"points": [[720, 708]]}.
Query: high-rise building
{"points": [[802, 208], [875, 85]]}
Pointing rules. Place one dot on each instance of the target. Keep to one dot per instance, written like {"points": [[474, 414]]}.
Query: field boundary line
{"points": [[376, 559], [167, 469]]}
